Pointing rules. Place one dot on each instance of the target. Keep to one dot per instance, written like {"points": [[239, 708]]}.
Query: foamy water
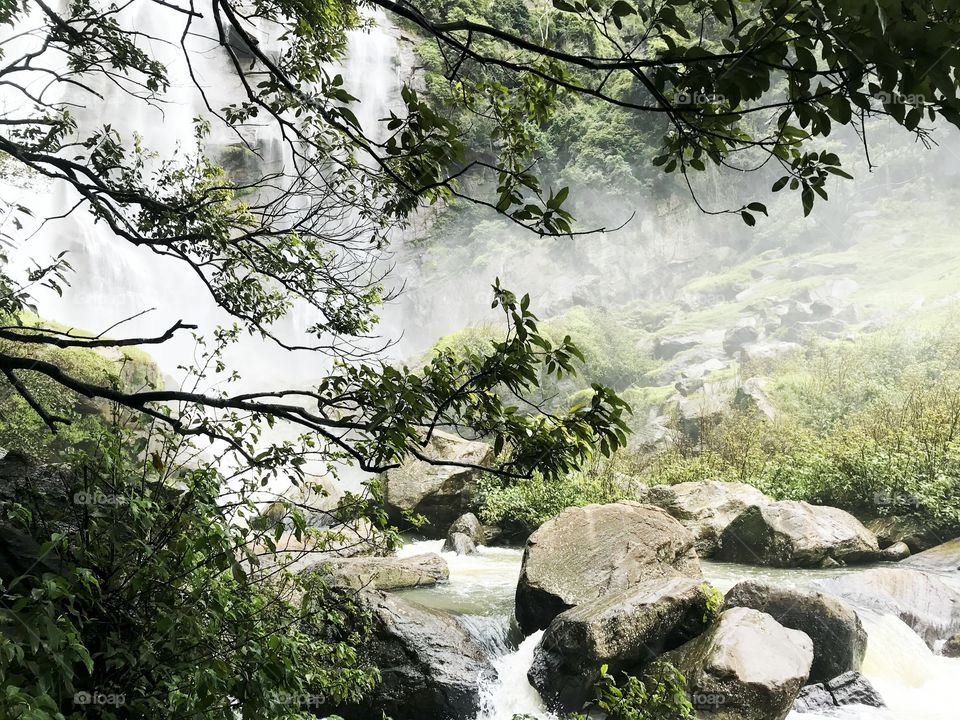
{"points": [[915, 683]]}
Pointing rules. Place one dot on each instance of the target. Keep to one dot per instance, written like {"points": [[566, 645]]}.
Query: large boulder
{"points": [[747, 330], [850, 688], [745, 667], [469, 525], [620, 630], [789, 533], [705, 507], [588, 552], [460, 544], [384, 573], [942, 558], [922, 601], [431, 667], [464, 535], [440, 493], [839, 640]]}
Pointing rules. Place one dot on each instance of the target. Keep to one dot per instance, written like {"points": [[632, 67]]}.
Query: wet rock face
{"points": [[922, 601], [745, 667], [588, 552], [431, 666], [621, 630], [796, 534], [705, 507], [839, 640], [441, 493], [850, 688]]}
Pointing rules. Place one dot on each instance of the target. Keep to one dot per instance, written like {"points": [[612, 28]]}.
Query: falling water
{"points": [[114, 279]]}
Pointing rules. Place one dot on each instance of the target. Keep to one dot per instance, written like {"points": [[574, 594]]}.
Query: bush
{"points": [[141, 594]]}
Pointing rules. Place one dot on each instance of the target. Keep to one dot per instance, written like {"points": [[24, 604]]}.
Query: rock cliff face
{"points": [[922, 601]]}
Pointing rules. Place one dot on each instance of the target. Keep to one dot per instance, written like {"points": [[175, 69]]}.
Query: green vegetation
{"points": [[871, 426], [153, 598], [23, 430], [662, 696]]}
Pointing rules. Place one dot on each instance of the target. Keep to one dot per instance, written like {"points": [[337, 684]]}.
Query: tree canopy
{"points": [[736, 84]]}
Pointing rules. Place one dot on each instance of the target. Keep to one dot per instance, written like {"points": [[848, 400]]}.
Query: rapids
{"points": [[916, 684]]}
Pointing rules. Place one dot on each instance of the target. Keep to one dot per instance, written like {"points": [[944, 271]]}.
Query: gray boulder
{"points": [[896, 552], [668, 346], [753, 393], [460, 544], [587, 552], [468, 524], [431, 667], [621, 630], [942, 558], [922, 601], [951, 648], [745, 667], [850, 688], [440, 493], [789, 533], [704, 507], [384, 573], [839, 640], [746, 331]]}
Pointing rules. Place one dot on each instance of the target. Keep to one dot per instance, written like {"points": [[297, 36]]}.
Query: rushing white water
{"points": [[915, 683]]}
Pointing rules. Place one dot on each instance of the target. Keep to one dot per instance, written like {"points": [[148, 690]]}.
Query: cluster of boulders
{"points": [[620, 585], [735, 522]]}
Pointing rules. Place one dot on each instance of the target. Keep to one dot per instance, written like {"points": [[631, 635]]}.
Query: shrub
{"points": [[143, 594]]}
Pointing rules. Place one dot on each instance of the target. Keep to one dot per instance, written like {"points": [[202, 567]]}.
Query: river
{"points": [[915, 683]]}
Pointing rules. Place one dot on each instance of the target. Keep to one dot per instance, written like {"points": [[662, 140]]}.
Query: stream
{"points": [[915, 683]]}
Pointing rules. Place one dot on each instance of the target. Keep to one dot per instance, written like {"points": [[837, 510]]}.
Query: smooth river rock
{"points": [[384, 573], [589, 552], [839, 640], [621, 630], [790, 533], [705, 507], [440, 493], [942, 558], [922, 601], [745, 667], [431, 667]]}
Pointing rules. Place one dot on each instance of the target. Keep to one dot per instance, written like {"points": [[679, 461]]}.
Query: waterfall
{"points": [[114, 279], [510, 693]]}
